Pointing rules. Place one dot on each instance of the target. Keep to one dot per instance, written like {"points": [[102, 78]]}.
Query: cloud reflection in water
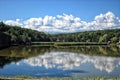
{"points": [[68, 61]]}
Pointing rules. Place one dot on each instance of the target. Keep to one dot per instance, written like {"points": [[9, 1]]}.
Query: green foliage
{"points": [[4, 40], [22, 35], [24, 77], [114, 39], [103, 38], [100, 36]]}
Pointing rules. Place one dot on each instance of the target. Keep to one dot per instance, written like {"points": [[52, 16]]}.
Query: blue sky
{"points": [[86, 10]]}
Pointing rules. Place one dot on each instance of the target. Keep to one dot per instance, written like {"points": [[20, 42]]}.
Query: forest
{"points": [[22, 35], [26, 36], [112, 35]]}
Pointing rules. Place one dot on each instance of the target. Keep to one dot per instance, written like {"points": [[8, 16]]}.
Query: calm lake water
{"points": [[82, 61]]}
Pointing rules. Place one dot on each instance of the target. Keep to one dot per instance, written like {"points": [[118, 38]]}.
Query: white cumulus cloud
{"points": [[106, 21], [33, 23], [13, 22], [68, 23]]}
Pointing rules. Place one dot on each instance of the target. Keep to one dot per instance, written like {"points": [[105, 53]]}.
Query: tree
{"points": [[103, 38], [13, 38], [2, 26], [114, 39]]}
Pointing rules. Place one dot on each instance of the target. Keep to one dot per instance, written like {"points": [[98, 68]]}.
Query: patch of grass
{"points": [[24, 77], [43, 43], [67, 43], [33, 78]]}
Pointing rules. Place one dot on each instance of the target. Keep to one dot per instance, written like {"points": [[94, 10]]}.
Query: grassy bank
{"points": [[33, 78], [25, 78], [66, 43]]}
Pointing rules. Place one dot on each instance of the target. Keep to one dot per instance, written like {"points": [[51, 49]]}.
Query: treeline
{"points": [[89, 36], [4, 40], [22, 35], [25, 36]]}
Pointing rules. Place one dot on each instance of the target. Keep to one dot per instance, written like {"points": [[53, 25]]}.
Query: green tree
{"points": [[2, 29], [114, 39], [13, 39], [103, 38]]}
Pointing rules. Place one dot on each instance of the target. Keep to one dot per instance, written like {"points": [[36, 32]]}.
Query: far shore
{"points": [[67, 43]]}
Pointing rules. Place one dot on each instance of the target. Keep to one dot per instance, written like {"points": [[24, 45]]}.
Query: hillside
{"points": [[25, 36], [4, 40], [22, 35], [112, 35]]}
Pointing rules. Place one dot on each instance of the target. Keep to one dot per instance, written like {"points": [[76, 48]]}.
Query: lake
{"points": [[59, 61]]}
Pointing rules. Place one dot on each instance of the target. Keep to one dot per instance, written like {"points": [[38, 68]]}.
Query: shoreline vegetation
{"points": [[15, 35], [66, 43], [55, 78]]}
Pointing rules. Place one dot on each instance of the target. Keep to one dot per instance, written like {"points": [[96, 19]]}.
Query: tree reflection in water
{"points": [[103, 57]]}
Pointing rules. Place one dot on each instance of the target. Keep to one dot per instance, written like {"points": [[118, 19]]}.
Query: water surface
{"points": [[82, 61]]}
